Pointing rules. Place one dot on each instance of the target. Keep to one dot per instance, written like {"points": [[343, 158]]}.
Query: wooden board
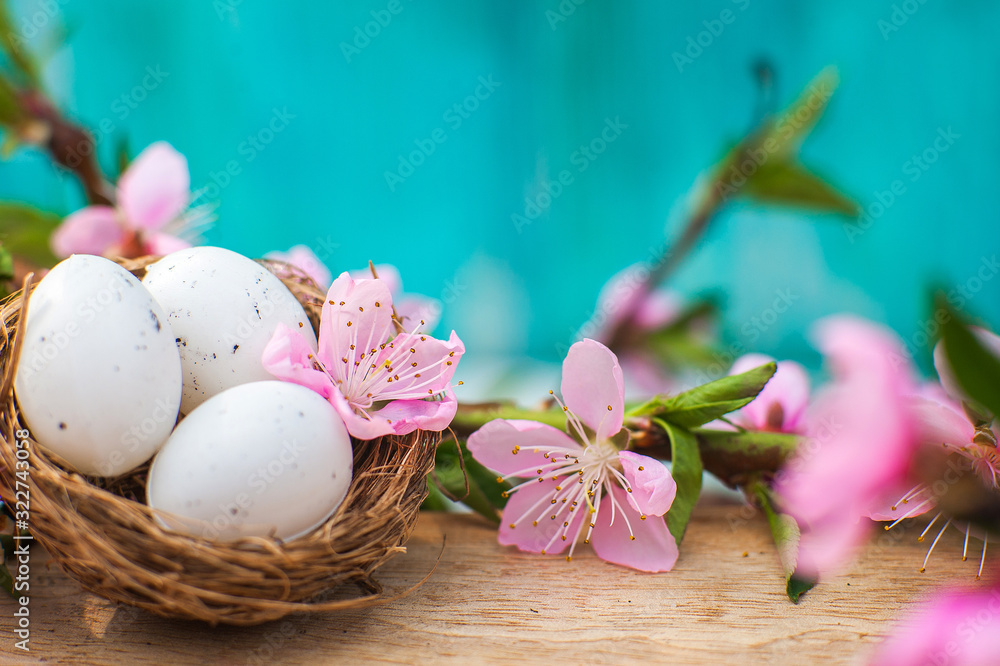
{"points": [[723, 603]]}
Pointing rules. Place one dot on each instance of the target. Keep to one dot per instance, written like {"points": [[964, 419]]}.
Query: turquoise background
{"points": [[321, 179]]}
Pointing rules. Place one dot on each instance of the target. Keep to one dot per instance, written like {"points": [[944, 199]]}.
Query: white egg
{"points": [[223, 309], [261, 459], [99, 377]]}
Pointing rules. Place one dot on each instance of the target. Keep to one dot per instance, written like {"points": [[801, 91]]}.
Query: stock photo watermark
{"points": [[121, 108], [29, 26], [696, 44], [581, 158], [914, 169], [900, 15], [22, 549], [248, 150], [363, 35], [454, 117]]}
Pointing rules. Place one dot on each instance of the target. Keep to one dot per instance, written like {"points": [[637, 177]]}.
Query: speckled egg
{"points": [[223, 309], [261, 459], [99, 377]]}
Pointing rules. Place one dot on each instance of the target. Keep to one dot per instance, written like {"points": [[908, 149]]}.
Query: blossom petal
{"points": [[419, 365], [653, 488], [356, 313], [653, 549], [359, 426], [156, 187], [161, 244], [494, 444], [899, 502], [862, 438], [788, 389], [303, 258], [942, 423], [387, 273], [955, 627], [531, 511], [289, 357], [90, 230], [409, 415], [593, 388]]}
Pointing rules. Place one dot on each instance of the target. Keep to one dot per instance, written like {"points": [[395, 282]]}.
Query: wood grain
{"points": [[723, 603]]}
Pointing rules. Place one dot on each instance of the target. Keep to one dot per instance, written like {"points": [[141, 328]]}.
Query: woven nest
{"points": [[101, 533]]}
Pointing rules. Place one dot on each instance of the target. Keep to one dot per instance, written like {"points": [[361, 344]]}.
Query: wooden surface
{"points": [[723, 603]]}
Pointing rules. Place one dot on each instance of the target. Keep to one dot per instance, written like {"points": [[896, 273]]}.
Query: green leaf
{"points": [[6, 264], [976, 368], [796, 587], [786, 535], [687, 471], [708, 402], [484, 495], [786, 182], [25, 232], [797, 121], [11, 113]]}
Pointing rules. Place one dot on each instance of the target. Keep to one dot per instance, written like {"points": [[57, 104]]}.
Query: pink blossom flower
{"points": [[410, 308], [956, 627], [585, 486], [153, 195], [781, 406], [380, 384], [303, 258], [861, 437]]}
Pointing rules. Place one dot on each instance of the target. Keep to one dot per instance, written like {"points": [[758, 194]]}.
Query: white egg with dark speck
{"points": [[98, 380], [262, 459], [223, 308]]}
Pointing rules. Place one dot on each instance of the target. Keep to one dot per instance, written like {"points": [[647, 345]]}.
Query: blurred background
{"points": [[411, 133]]}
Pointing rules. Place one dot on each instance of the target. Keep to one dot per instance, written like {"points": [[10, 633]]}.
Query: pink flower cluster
{"points": [[381, 381]]}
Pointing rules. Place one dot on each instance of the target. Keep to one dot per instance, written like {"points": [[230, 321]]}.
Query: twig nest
{"points": [[100, 532]]}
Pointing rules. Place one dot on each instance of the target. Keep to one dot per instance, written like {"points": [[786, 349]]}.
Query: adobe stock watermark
{"points": [[901, 13], [581, 158], [562, 12], [958, 298], [363, 35], [697, 43], [454, 117], [52, 345], [164, 411], [226, 8], [231, 514], [785, 132], [248, 150], [914, 169], [121, 108], [750, 332], [29, 26]]}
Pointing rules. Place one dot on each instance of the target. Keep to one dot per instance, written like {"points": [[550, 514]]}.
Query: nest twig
{"points": [[100, 533]]}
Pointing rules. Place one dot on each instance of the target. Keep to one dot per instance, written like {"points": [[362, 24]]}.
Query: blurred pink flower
{"points": [[781, 406], [153, 195], [303, 258], [956, 627], [410, 308], [653, 310], [861, 437], [619, 497], [379, 384]]}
